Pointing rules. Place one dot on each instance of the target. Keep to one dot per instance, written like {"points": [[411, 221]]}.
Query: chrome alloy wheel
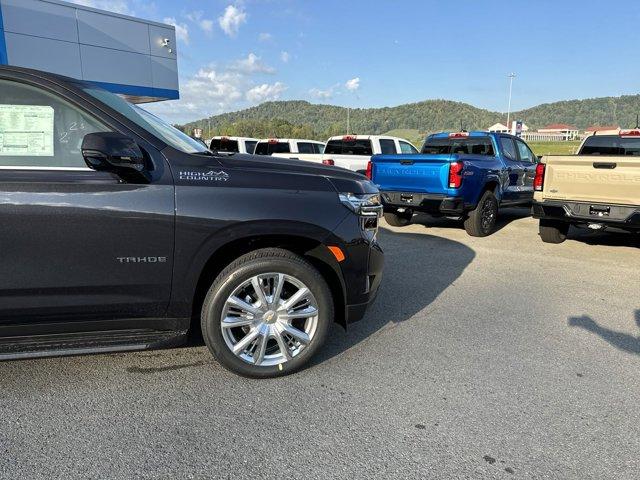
{"points": [[269, 319]]}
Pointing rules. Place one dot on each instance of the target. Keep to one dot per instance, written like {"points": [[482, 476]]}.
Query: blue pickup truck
{"points": [[467, 175]]}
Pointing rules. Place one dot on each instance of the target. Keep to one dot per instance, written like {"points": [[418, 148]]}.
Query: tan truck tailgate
{"points": [[592, 178]]}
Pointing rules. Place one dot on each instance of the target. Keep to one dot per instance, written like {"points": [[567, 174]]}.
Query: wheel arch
{"points": [[310, 248]]}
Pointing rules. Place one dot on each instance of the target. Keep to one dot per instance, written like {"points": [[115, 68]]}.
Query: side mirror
{"points": [[113, 152]]}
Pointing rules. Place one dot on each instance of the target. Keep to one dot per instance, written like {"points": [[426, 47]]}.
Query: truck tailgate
{"points": [[592, 178], [412, 173]]}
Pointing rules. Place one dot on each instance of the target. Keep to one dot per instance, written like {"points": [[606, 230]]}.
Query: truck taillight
{"points": [[455, 174], [328, 161], [538, 181], [369, 173]]}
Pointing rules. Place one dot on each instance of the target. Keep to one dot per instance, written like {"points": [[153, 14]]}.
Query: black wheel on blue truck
{"points": [[398, 219], [552, 231], [481, 221]]}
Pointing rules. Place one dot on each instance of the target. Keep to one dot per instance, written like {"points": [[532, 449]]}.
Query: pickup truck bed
{"points": [[592, 190]]}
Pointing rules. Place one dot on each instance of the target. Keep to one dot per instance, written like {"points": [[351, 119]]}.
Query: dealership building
{"points": [[125, 55]]}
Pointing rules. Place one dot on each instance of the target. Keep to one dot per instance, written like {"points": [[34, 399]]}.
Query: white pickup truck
{"points": [[301, 149], [355, 151], [224, 144], [352, 152]]}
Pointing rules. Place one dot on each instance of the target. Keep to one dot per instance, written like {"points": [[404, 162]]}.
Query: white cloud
{"points": [[353, 84], [322, 94], [251, 64], [265, 37], [264, 92], [231, 20], [115, 6], [215, 89], [205, 24], [182, 31], [285, 57]]}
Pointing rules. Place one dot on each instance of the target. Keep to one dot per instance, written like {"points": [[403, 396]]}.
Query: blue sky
{"points": [[370, 54]]}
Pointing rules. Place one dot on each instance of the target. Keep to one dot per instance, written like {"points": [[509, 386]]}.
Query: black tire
{"points": [[258, 262], [481, 221], [398, 219], [553, 232]]}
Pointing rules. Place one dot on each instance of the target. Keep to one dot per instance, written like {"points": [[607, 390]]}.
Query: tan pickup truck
{"points": [[598, 188]]}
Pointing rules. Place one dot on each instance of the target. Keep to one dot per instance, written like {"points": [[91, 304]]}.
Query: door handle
{"points": [[406, 162], [605, 165]]}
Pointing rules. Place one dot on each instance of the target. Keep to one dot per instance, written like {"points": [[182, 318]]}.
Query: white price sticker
{"points": [[26, 130]]}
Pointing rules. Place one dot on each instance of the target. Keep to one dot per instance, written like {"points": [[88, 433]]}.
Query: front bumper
{"points": [[619, 216], [362, 267], [423, 202]]}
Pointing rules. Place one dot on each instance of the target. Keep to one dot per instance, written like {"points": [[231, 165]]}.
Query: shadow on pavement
{"points": [[620, 340], [418, 268], [611, 238], [505, 217]]}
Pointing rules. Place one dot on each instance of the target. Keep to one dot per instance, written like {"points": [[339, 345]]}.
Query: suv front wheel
{"points": [[267, 314]]}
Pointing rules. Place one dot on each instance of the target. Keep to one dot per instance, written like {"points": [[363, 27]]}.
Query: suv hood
{"points": [[342, 179]]}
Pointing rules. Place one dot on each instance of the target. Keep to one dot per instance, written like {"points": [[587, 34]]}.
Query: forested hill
{"points": [[304, 119]]}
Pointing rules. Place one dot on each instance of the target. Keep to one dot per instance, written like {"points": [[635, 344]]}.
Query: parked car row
{"points": [[352, 152], [122, 233]]}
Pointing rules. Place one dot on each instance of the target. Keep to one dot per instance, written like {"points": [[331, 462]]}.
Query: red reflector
{"points": [[459, 135], [455, 174], [348, 138], [273, 140], [538, 181], [328, 161], [369, 173], [630, 133]]}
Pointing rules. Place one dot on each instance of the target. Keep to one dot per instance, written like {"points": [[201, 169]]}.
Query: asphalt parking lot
{"points": [[500, 357]]}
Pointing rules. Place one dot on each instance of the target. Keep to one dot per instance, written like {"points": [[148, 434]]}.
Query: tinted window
{"points": [[349, 147], [267, 148], [149, 122], [526, 155], [250, 145], [460, 146], [38, 129], [611, 145], [407, 148], [318, 148], [305, 147], [508, 148], [224, 145], [387, 146]]}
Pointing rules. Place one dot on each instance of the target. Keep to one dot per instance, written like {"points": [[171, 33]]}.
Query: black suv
{"points": [[119, 232]]}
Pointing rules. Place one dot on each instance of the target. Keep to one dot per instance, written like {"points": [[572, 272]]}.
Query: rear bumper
{"points": [[424, 202], [619, 216]]}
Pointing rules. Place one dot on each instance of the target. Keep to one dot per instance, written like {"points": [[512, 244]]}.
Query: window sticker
{"points": [[26, 130]]}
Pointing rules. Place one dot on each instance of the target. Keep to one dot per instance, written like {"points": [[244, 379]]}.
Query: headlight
{"points": [[366, 204]]}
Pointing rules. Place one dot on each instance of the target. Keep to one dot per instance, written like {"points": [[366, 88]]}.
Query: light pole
{"points": [[348, 119], [511, 77]]}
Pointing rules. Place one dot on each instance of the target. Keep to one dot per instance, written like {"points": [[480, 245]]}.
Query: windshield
{"points": [[161, 129]]}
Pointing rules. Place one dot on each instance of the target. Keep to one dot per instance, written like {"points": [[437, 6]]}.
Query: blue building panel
{"points": [[126, 55]]}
